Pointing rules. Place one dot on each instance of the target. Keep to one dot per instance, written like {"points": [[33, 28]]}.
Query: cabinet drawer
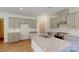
{"points": [[17, 37], [13, 37]]}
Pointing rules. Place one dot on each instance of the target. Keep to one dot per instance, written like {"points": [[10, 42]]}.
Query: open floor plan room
{"points": [[39, 29]]}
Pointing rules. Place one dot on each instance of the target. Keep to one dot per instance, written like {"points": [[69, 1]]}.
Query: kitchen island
{"points": [[42, 44]]}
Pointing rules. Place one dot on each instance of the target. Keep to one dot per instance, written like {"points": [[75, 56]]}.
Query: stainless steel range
{"points": [[60, 35]]}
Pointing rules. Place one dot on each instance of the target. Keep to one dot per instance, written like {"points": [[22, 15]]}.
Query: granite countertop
{"points": [[51, 44]]}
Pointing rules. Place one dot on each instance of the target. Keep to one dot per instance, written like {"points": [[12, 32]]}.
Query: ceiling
{"points": [[31, 11]]}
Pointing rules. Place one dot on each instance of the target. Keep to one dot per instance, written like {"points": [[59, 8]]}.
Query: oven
{"points": [[60, 35]]}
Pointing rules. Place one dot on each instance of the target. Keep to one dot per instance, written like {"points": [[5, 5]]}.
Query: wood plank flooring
{"points": [[21, 46]]}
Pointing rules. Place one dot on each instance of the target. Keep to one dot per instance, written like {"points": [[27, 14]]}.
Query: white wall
{"points": [[6, 19]]}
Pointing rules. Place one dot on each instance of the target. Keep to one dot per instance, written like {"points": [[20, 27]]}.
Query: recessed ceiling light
{"points": [[21, 8]]}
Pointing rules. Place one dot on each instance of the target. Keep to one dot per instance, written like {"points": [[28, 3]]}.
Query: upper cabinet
{"points": [[62, 15], [60, 19], [16, 22], [11, 22], [77, 20], [71, 21], [51, 23], [54, 22], [33, 23]]}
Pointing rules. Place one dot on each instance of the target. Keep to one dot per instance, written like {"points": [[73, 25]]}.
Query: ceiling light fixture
{"points": [[49, 7], [21, 8]]}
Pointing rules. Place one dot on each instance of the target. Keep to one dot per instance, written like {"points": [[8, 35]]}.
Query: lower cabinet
{"points": [[24, 36], [13, 37], [73, 39], [77, 20], [71, 21]]}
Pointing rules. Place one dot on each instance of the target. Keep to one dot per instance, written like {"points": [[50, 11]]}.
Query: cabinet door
{"points": [[30, 23], [11, 37], [77, 20], [16, 36], [11, 23], [51, 23], [71, 21], [17, 23], [22, 21], [34, 23], [26, 21], [55, 21]]}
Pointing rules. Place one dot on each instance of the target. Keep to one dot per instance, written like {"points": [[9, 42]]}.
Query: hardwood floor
{"points": [[21, 46]]}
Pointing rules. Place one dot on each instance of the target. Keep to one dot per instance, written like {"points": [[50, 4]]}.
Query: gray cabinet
{"points": [[17, 23], [77, 20], [33, 24], [26, 21], [14, 22], [11, 22], [22, 21], [51, 23], [54, 22], [71, 21], [17, 36], [13, 37], [30, 23], [62, 15]]}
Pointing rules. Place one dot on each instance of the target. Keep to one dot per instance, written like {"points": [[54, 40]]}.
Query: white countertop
{"points": [[51, 44]]}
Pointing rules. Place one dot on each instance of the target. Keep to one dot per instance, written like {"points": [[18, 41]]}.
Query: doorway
{"points": [[1, 30]]}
